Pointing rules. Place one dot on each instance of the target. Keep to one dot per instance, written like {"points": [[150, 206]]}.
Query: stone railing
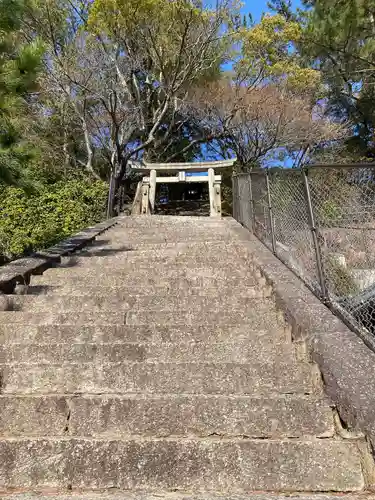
{"points": [[16, 275]]}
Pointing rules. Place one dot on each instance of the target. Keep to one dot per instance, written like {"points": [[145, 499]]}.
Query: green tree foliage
{"points": [[268, 53], [19, 64], [160, 49], [282, 7], [338, 39], [31, 222], [87, 85], [42, 199]]}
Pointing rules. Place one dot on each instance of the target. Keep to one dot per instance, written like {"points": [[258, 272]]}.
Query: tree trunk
{"points": [[90, 153], [111, 195]]}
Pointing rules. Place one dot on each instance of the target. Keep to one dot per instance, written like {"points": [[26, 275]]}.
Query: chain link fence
{"points": [[320, 221]]}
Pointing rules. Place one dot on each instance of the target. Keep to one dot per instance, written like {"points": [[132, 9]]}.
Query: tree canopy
{"points": [[87, 85]]}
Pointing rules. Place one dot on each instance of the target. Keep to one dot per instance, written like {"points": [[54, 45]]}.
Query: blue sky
{"points": [[256, 7]]}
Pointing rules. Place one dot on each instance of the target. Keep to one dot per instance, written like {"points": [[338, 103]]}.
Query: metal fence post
{"points": [[239, 200], [252, 208], [315, 234], [234, 197], [270, 212]]}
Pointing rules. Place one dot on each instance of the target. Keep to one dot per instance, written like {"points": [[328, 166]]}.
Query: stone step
{"points": [[241, 351], [112, 248], [179, 280], [195, 464], [171, 234], [32, 334], [202, 242], [148, 293], [113, 302], [186, 231], [159, 378], [166, 228], [65, 303], [159, 495], [156, 257], [125, 260], [183, 229], [185, 224], [257, 311], [163, 416], [212, 248], [255, 314], [183, 248], [162, 239], [122, 245], [169, 223], [141, 220], [252, 298], [73, 318], [231, 270], [190, 226], [159, 364]]}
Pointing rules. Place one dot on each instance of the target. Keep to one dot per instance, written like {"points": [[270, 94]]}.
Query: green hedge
{"points": [[31, 222]]}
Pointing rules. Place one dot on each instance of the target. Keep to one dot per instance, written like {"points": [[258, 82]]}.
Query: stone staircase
{"points": [[154, 364]]}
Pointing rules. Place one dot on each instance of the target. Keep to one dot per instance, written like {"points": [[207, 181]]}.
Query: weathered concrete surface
{"points": [[34, 334], [259, 350], [157, 317], [158, 258], [54, 317], [58, 303], [145, 495], [165, 416], [176, 281], [156, 360], [202, 416], [33, 416], [169, 271], [173, 280], [347, 364], [109, 302], [155, 378], [171, 316], [187, 464], [126, 291]]}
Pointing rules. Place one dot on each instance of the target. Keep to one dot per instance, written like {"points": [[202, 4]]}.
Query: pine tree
{"points": [[282, 7], [19, 63], [340, 41]]}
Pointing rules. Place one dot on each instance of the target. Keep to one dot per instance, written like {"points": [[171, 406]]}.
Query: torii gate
{"points": [[146, 191]]}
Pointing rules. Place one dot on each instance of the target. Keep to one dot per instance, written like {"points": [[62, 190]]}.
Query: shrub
{"points": [[340, 281], [31, 222]]}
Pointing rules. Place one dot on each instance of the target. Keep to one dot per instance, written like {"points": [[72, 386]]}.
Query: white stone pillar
{"points": [[145, 198], [218, 198], [211, 190], [152, 189]]}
